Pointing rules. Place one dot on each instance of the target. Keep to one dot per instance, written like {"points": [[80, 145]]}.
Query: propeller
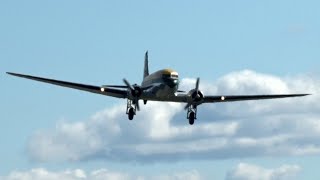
{"points": [[135, 91], [195, 95], [197, 84], [129, 86], [197, 87]]}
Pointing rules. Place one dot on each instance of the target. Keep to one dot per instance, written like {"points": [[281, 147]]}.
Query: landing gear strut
{"points": [[131, 109], [192, 114]]}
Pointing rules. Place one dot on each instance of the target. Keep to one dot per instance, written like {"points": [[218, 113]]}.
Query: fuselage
{"points": [[161, 84]]}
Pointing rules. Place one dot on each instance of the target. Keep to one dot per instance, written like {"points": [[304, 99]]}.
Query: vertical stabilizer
{"points": [[146, 66]]}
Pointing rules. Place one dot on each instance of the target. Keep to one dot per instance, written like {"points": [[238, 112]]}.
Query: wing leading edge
{"points": [[83, 87]]}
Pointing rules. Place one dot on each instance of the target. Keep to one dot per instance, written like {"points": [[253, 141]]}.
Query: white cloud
{"points": [[245, 171], [160, 131], [100, 174], [242, 171]]}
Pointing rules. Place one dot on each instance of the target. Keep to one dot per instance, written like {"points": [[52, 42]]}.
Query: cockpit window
{"points": [[174, 75], [166, 75]]}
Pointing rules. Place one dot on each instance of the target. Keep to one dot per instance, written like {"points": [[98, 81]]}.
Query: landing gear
{"points": [[131, 113], [191, 118], [131, 109], [192, 114]]}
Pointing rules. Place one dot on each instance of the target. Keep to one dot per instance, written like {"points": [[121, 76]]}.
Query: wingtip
{"points": [[13, 74], [304, 94], [16, 74]]}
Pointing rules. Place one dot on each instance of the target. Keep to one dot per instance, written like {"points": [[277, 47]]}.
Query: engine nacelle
{"points": [[136, 92], [195, 96]]}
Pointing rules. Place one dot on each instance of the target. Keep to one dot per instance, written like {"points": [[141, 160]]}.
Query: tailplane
{"points": [[146, 66]]}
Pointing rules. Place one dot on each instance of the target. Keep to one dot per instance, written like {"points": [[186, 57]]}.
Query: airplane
{"points": [[161, 85]]}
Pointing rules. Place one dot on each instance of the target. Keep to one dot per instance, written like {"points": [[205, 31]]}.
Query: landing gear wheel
{"points": [[130, 113], [191, 118], [192, 114]]}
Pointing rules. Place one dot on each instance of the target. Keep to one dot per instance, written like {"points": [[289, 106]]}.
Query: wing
{"points": [[214, 99], [83, 87], [185, 98]]}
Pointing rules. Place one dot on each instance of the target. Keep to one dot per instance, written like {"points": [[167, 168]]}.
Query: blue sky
{"points": [[101, 42]]}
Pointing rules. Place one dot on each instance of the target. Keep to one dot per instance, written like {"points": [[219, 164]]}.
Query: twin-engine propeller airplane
{"points": [[158, 86]]}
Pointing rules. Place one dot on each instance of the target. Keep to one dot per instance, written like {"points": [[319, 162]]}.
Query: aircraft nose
{"points": [[173, 82]]}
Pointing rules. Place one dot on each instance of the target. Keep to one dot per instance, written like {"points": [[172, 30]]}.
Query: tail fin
{"points": [[146, 66]]}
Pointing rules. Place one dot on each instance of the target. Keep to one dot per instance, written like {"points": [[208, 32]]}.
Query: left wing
{"points": [[214, 99], [83, 87]]}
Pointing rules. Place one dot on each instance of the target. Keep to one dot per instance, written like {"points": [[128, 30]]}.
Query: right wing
{"points": [[231, 98], [185, 98], [83, 87]]}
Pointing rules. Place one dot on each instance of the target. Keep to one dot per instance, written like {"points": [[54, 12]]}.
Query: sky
{"points": [[235, 47]]}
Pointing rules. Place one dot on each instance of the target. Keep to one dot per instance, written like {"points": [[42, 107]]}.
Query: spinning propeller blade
{"points": [[197, 84], [128, 84], [197, 90], [132, 89]]}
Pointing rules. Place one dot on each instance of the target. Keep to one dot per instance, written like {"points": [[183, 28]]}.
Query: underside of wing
{"points": [[213, 99], [107, 91]]}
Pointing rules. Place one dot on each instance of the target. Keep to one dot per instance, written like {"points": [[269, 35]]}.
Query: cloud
{"points": [[160, 132], [100, 174], [245, 171], [242, 171]]}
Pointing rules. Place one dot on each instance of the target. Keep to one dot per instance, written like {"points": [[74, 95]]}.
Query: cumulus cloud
{"points": [[100, 174], [160, 132], [242, 171], [245, 171]]}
